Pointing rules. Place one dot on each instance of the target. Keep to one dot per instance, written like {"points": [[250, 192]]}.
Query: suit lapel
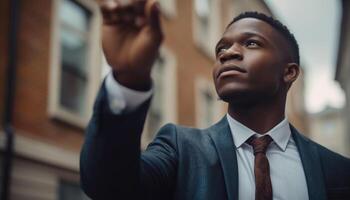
{"points": [[221, 135], [312, 166]]}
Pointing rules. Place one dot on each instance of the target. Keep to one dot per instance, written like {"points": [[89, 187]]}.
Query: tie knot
{"points": [[260, 144]]}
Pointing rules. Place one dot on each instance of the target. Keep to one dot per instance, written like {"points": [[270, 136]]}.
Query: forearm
{"points": [[110, 158], [111, 152]]}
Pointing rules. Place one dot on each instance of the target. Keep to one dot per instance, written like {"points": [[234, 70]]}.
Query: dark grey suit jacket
{"points": [[185, 163]]}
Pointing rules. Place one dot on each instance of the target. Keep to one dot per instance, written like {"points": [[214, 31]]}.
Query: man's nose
{"points": [[234, 52]]}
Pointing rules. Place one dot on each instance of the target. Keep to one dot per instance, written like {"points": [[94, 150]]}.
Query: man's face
{"points": [[249, 62]]}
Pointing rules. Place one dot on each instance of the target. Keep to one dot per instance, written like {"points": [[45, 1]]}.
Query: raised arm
{"points": [[111, 164]]}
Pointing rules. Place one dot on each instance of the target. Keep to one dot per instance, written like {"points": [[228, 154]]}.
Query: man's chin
{"points": [[236, 96]]}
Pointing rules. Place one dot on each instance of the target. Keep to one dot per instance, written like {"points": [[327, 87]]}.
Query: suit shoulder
{"points": [[179, 129], [185, 135], [334, 165], [329, 155], [325, 153], [178, 132], [187, 131]]}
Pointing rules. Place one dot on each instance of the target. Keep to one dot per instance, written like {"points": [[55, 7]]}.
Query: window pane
{"points": [[74, 15], [73, 85], [74, 51], [202, 9], [73, 93]]}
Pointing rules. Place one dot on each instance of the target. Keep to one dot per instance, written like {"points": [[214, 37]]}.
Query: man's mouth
{"points": [[227, 70]]}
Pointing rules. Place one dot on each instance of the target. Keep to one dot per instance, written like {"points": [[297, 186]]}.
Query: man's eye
{"points": [[221, 50], [252, 43]]}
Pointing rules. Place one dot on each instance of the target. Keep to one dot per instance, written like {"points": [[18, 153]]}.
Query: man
{"points": [[252, 153]]}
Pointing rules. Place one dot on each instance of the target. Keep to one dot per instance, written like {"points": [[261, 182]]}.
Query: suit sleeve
{"points": [[111, 164]]}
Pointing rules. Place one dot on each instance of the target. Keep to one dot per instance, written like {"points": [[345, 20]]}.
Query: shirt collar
{"points": [[240, 133]]}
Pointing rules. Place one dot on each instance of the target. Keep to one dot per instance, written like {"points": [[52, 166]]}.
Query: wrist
{"points": [[137, 81]]}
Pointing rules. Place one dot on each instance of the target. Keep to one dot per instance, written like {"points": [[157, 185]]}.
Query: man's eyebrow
{"points": [[246, 34], [217, 44], [255, 34]]}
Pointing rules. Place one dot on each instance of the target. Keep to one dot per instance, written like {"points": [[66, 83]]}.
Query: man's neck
{"points": [[259, 117]]}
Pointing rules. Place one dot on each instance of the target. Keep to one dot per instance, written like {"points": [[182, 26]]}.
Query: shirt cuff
{"points": [[122, 99]]}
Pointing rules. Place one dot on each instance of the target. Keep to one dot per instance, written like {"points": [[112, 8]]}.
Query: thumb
{"points": [[153, 15]]}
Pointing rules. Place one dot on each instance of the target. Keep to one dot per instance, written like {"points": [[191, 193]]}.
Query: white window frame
{"points": [[203, 85], [169, 104], [207, 45], [55, 110]]}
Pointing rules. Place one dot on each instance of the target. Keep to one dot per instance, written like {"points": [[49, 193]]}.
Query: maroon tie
{"points": [[263, 188]]}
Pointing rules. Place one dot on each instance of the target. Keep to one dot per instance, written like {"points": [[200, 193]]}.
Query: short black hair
{"points": [[275, 24]]}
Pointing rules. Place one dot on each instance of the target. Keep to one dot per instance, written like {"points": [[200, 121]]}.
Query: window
{"points": [[163, 107], [74, 71], [209, 104], [207, 26], [208, 108], [75, 22], [70, 191]]}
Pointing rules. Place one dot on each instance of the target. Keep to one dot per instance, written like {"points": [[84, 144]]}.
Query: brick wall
{"points": [[31, 99], [190, 61], [4, 20]]}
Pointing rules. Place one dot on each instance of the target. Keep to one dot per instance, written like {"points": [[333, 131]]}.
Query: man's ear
{"points": [[291, 73]]}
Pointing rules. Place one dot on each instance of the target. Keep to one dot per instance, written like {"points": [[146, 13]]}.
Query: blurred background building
{"points": [[328, 128], [59, 67], [342, 74], [56, 78]]}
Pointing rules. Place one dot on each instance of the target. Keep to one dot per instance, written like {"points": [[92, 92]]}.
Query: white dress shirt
{"points": [[122, 99], [286, 170]]}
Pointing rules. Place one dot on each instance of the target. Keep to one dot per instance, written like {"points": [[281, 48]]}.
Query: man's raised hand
{"points": [[131, 37]]}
